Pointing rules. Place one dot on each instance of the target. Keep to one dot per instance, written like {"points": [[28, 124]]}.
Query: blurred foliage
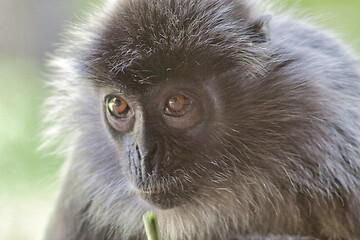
{"points": [[22, 91], [27, 176], [21, 95], [340, 17]]}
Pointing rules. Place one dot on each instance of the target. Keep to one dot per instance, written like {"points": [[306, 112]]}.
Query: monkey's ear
{"points": [[259, 26]]}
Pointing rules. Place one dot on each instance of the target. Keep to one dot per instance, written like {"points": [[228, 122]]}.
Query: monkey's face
{"points": [[163, 133], [167, 103]]}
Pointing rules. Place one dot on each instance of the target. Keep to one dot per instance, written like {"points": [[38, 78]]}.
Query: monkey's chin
{"points": [[163, 200]]}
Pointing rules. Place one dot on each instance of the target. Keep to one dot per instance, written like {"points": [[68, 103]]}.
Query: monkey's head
{"points": [[165, 71], [186, 98]]}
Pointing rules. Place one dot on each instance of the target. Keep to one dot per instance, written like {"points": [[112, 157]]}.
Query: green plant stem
{"points": [[151, 226]]}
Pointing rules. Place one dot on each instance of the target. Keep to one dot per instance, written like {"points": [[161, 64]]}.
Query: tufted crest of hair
{"points": [[147, 39], [290, 141]]}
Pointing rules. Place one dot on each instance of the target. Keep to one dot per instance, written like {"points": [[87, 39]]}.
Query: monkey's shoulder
{"points": [[316, 54]]}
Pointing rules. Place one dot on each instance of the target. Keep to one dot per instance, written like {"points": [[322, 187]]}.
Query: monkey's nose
{"points": [[150, 161], [134, 161], [143, 162]]}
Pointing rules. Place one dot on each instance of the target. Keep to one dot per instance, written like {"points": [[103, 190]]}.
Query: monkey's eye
{"points": [[177, 105], [118, 107]]}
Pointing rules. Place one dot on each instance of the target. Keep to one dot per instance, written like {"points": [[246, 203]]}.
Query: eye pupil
{"points": [[176, 103], [118, 107], [173, 102]]}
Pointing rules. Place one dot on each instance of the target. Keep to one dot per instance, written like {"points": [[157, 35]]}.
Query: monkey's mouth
{"points": [[162, 190], [162, 200], [166, 196]]}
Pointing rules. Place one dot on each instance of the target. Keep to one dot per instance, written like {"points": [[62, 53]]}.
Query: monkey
{"points": [[226, 120]]}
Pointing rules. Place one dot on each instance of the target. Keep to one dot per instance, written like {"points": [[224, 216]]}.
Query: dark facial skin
{"points": [[159, 137]]}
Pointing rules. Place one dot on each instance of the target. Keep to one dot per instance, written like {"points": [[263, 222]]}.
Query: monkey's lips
{"points": [[162, 200], [166, 198], [161, 191]]}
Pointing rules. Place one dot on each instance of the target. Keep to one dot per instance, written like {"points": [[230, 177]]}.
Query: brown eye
{"points": [[118, 107], [177, 105]]}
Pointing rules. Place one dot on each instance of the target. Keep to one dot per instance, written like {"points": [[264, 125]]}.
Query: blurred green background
{"points": [[29, 30]]}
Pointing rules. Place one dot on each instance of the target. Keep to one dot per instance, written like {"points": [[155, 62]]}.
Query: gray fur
{"points": [[282, 157]]}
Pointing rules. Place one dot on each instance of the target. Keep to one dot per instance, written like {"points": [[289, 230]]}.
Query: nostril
{"points": [[138, 163], [138, 152]]}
